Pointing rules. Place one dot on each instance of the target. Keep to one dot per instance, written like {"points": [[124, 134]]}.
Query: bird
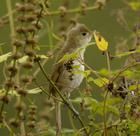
{"points": [[64, 74]]}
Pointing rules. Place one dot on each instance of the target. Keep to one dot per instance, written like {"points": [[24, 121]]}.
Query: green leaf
{"points": [[25, 58], [127, 53], [85, 73], [104, 72], [135, 5], [135, 74], [134, 87], [4, 57], [34, 91], [14, 92], [68, 57], [101, 81]]}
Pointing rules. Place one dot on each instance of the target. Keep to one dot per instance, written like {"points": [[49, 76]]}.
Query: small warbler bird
{"points": [[64, 75]]}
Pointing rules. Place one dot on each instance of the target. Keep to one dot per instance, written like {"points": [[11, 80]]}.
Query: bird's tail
{"points": [[58, 118]]}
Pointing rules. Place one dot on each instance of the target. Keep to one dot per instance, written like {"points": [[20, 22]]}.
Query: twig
{"points": [[123, 70], [108, 127], [61, 96], [75, 10], [44, 91]]}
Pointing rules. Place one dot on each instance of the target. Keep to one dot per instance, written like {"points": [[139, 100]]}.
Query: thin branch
{"points": [[123, 70], [75, 10], [44, 91], [61, 96]]}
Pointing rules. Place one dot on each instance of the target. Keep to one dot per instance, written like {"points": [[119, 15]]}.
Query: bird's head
{"points": [[80, 35]]}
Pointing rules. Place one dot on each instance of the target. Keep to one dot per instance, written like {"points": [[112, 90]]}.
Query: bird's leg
{"points": [[76, 113]]}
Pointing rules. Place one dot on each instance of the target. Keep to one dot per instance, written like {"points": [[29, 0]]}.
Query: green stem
{"points": [[106, 94], [10, 14], [70, 11]]}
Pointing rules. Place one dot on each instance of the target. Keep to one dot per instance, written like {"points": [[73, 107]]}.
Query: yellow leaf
{"points": [[101, 43], [135, 5]]}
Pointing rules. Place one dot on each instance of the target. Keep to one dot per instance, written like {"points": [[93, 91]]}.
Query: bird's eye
{"points": [[84, 33]]}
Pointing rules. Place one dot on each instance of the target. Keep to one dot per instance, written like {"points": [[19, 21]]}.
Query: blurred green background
{"points": [[115, 22]]}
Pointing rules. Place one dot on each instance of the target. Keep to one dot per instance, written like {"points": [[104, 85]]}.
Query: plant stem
{"points": [[61, 96], [106, 94]]}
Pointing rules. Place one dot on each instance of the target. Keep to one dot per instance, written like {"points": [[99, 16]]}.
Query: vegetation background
{"points": [[108, 100]]}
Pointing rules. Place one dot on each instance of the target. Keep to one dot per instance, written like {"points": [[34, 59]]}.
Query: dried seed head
{"points": [[31, 29], [33, 107], [20, 7], [14, 123], [31, 42], [32, 112], [12, 69], [25, 79], [32, 118], [5, 99], [83, 5], [21, 18], [28, 65], [37, 25], [29, 52], [20, 106], [30, 18], [63, 11], [24, 7], [16, 55], [31, 124], [21, 29], [18, 43], [9, 83], [22, 92]]}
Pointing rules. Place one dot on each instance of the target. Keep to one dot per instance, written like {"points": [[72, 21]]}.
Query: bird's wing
{"points": [[57, 72]]}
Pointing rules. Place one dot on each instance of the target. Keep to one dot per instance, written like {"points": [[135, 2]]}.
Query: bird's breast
{"points": [[72, 75]]}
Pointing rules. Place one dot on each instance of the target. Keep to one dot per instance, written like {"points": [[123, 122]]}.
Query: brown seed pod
{"points": [[14, 123], [20, 29], [63, 11], [21, 18], [12, 69], [32, 118], [33, 107], [31, 124], [29, 52], [5, 99], [37, 25], [30, 18], [25, 79], [31, 29], [9, 83], [18, 43], [32, 112], [16, 55], [28, 65], [20, 106], [20, 7], [24, 7], [31, 42], [22, 92]]}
